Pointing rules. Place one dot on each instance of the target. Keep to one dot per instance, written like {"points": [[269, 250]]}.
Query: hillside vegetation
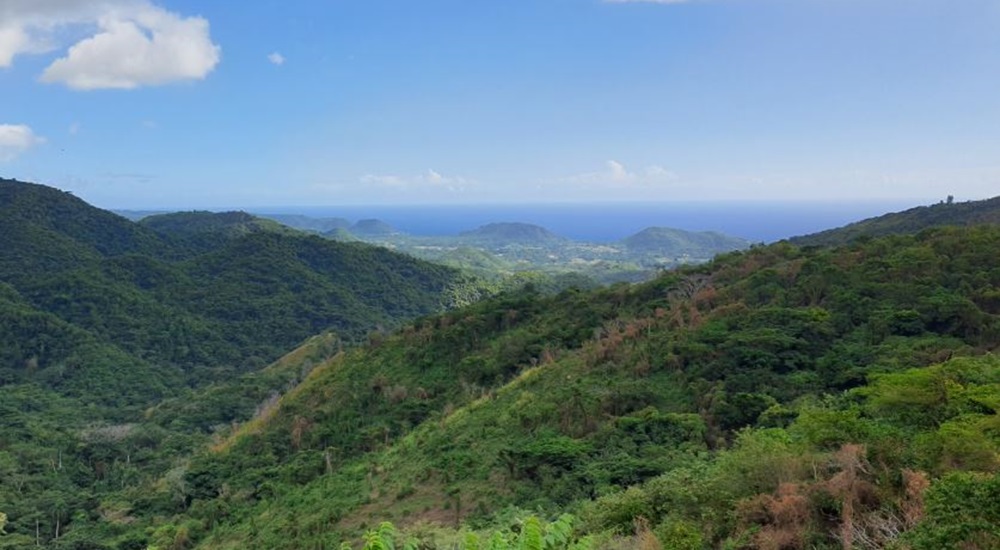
{"points": [[777, 398], [782, 397], [102, 318], [909, 222], [510, 250]]}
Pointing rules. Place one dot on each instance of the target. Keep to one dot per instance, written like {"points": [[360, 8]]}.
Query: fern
{"points": [[531, 535], [558, 533], [498, 542], [471, 542]]}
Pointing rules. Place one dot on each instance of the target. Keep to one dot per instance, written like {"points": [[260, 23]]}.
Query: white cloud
{"points": [[431, 178], [12, 41], [16, 139], [276, 58], [617, 174], [130, 43]]}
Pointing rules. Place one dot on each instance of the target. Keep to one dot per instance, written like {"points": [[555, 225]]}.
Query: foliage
{"points": [[774, 398], [910, 221], [781, 397]]}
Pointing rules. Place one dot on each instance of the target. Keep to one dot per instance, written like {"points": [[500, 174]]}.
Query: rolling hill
{"points": [[103, 319], [679, 243], [504, 233], [909, 222]]}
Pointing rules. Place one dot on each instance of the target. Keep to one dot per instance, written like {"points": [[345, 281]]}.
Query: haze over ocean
{"points": [[756, 221]]}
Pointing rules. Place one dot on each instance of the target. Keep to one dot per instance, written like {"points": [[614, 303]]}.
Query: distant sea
{"points": [[762, 222]]}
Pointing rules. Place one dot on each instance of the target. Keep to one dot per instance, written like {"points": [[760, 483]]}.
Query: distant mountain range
{"points": [[511, 247]]}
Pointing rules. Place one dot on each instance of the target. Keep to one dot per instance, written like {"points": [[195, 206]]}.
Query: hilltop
{"points": [[909, 222], [511, 233], [306, 223], [228, 224], [372, 228], [677, 242]]}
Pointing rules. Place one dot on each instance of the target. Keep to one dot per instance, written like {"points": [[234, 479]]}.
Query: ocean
{"points": [[759, 222]]}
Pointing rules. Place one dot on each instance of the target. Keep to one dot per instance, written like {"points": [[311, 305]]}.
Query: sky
{"points": [[193, 104]]}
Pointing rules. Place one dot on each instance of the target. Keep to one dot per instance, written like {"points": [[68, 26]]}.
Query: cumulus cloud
{"points": [[12, 41], [16, 139], [130, 43], [276, 58], [616, 173]]}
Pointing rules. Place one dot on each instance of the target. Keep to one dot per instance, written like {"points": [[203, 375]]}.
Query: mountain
{"points": [[372, 228], [136, 215], [678, 243], [780, 393], [909, 222], [307, 223], [247, 288], [512, 233], [103, 320], [229, 224], [37, 216], [205, 231]]}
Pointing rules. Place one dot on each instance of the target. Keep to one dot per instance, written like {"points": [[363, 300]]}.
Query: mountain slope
{"points": [[678, 243], [371, 228], [202, 231], [58, 215], [561, 403], [306, 223], [908, 222], [511, 233], [147, 288], [101, 319]]}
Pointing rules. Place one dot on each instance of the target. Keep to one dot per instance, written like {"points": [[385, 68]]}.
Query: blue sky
{"points": [[185, 104]]}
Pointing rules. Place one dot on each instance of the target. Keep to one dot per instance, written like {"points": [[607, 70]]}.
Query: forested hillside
{"points": [[909, 222], [102, 318], [777, 398], [782, 397]]}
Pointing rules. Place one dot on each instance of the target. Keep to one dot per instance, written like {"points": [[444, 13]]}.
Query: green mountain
{"points": [[909, 222], [782, 397], [228, 224], [679, 243], [372, 228], [307, 223], [511, 233], [505, 250], [103, 320], [205, 231], [197, 288]]}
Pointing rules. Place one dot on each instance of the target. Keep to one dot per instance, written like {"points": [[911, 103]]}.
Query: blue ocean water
{"points": [[606, 222]]}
